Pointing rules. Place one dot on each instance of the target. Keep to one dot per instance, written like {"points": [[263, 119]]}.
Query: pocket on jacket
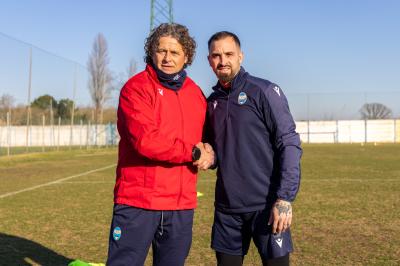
{"points": [[150, 176], [134, 176]]}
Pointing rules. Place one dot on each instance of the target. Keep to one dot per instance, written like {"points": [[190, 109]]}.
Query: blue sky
{"points": [[346, 52]]}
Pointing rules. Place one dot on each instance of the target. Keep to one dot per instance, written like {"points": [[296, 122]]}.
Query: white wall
{"points": [[349, 131], [58, 135], [341, 131]]}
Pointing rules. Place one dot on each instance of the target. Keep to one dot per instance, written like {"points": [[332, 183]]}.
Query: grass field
{"points": [[35, 149], [346, 213]]}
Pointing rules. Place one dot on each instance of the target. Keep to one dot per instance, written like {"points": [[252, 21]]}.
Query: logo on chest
{"points": [[215, 103], [242, 98]]}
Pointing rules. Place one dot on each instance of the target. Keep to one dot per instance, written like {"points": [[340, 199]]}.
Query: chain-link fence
{"points": [[45, 104], [344, 105], [45, 101]]}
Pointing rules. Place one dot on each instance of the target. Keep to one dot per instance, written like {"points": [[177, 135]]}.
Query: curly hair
{"points": [[176, 31]]}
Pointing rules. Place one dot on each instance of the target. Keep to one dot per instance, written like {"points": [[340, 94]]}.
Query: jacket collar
{"points": [[153, 74], [236, 84]]}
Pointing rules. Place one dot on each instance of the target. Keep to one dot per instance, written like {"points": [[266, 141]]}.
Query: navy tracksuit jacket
{"points": [[258, 150]]}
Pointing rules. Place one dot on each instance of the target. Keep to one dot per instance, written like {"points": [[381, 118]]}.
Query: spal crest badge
{"points": [[117, 232], [242, 98]]}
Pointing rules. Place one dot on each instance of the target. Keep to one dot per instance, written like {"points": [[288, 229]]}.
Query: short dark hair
{"points": [[222, 35], [176, 31]]}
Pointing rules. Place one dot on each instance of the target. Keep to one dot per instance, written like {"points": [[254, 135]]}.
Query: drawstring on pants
{"points": [[162, 221]]}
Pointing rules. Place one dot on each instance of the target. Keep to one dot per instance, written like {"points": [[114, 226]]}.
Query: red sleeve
{"points": [[137, 115]]}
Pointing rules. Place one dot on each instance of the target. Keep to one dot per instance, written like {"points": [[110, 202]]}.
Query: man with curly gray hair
{"points": [[161, 114]]}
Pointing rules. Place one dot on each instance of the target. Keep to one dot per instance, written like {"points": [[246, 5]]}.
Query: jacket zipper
{"points": [[227, 105], [182, 130]]}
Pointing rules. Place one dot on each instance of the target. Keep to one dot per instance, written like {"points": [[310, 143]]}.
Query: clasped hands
{"points": [[207, 157]]}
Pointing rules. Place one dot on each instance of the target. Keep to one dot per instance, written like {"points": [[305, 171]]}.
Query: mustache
{"points": [[222, 66]]}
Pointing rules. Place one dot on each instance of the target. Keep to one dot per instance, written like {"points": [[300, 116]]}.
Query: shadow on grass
{"points": [[15, 251]]}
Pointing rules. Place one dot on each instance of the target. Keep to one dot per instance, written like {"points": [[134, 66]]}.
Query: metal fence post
{"points": [[80, 134], [28, 112], [43, 123], [337, 132], [95, 134], [106, 133], [58, 137], [87, 135], [8, 134]]}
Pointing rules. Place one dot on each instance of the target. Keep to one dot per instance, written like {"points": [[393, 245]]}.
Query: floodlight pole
{"points": [[160, 11], [28, 115], [73, 109]]}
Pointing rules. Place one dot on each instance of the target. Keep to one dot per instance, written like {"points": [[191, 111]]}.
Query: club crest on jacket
{"points": [[242, 98]]}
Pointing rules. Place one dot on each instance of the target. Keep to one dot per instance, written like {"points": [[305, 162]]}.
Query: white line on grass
{"points": [[56, 181], [88, 182], [351, 179], [327, 180]]}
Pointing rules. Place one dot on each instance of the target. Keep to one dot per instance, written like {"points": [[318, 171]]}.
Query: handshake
{"points": [[207, 157]]}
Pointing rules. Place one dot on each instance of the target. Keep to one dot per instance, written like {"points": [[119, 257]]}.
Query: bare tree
{"points": [[120, 79], [123, 77], [132, 68], [375, 111], [7, 102], [100, 82]]}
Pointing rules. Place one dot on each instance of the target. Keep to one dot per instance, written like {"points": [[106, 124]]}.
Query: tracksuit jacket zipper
{"points": [[182, 130]]}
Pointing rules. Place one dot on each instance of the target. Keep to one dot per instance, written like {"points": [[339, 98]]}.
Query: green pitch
{"points": [[56, 207]]}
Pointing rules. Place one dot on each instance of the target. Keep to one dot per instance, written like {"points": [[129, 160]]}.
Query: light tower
{"points": [[161, 11]]}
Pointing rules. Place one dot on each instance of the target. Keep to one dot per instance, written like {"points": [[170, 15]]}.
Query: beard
{"points": [[226, 77]]}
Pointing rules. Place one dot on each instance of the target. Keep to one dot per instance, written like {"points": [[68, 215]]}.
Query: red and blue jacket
{"points": [[253, 134], [158, 129]]}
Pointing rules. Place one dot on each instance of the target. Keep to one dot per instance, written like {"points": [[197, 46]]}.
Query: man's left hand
{"points": [[281, 216]]}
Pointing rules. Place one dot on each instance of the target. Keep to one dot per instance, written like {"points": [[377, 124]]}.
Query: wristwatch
{"points": [[196, 153]]}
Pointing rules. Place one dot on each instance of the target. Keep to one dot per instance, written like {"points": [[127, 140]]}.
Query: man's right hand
{"points": [[207, 157]]}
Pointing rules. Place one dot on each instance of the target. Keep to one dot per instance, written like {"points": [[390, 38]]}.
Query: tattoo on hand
{"points": [[283, 208]]}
